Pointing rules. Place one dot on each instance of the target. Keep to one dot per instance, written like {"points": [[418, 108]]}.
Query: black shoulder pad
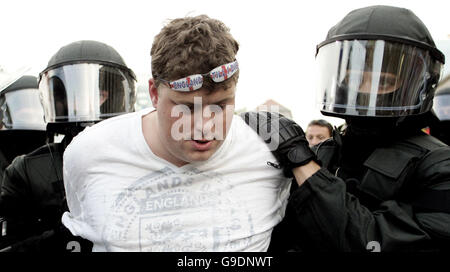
{"points": [[425, 141]]}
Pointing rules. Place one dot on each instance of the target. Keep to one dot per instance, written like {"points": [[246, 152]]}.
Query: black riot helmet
{"points": [[86, 81], [20, 106], [22, 125], [378, 61]]}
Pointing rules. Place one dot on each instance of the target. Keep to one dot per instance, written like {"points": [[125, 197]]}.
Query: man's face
{"points": [[383, 82], [193, 125], [317, 134]]}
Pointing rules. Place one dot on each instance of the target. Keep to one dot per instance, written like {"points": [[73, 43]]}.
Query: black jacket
{"points": [[33, 200], [3, 164], [390, 196]]}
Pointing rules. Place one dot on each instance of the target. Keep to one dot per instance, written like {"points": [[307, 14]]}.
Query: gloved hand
{"points": [[284, 137]]}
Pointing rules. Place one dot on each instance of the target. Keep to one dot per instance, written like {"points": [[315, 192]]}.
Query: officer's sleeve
{"points": [[332, 219], [432, 203], [15, 189], [15, 204]]}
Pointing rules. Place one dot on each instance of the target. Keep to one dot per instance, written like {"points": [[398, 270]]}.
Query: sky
{"points": [[277, 38]]}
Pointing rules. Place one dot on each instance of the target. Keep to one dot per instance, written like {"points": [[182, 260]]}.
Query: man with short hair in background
{"points": [[318, 131]]}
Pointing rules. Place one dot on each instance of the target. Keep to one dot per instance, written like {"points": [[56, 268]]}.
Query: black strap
{"points": [[433, 200]]}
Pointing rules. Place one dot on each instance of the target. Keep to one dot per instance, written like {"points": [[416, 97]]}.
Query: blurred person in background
{"points": [[22, 125], [441, 107], [318, 131]]}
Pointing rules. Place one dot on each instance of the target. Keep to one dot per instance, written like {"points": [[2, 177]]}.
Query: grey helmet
{"points": [[86, 81], [20, 106], [378, 61]]}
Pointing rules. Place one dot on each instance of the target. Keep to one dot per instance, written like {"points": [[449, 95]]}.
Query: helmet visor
{"points": [[374, 78], [22, 109], [86, 92], [441, 107]]}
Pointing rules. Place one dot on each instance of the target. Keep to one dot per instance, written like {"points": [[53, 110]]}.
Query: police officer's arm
{"points": [[432, 203], [302, 173], [14, 190], [322, 204]]}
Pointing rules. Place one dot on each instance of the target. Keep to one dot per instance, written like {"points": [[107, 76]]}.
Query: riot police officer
{"points": [[441, 107], [22, 125], [381, 184], [83, 83]]}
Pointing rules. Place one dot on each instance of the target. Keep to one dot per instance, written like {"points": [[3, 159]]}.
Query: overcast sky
{"points": [[277, 38]]}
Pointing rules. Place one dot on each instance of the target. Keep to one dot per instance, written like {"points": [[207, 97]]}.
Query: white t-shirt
{"points": [[122, 197]]}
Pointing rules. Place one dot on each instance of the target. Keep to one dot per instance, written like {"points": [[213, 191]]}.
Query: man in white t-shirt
{"points": [[187, 176]]}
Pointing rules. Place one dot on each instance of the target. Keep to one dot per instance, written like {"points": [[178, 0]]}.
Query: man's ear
{"points": [[153, 91]]}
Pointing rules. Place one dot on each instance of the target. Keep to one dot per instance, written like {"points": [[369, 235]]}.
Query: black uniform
{"points": [[33, 201], [3, 164], [384, 185], [393, 190], [22, 125], [97, 86]]}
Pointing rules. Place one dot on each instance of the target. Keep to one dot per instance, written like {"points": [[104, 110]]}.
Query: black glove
{"points": [[284, 137]]}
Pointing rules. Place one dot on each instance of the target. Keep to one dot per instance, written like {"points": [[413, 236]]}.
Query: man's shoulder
{"points": [[244, 136], [241, 128]]}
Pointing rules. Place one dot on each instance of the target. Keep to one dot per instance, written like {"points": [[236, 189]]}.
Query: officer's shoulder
{"points": [[425, 141], [43, 151], [39, 156], [435, 153], [102, 130]]}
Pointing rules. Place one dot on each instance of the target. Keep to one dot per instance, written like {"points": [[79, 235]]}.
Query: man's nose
{"points": [[314, 141], [201, 119], [365, 86]]}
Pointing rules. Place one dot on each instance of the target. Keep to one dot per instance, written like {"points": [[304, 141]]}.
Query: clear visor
{"points": [[8, 78], [22, 109], [441, 107], [374, 78], [86, 92]]}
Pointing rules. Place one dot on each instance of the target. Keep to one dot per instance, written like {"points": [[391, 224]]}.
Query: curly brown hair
{"points": [[193, 45]]}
